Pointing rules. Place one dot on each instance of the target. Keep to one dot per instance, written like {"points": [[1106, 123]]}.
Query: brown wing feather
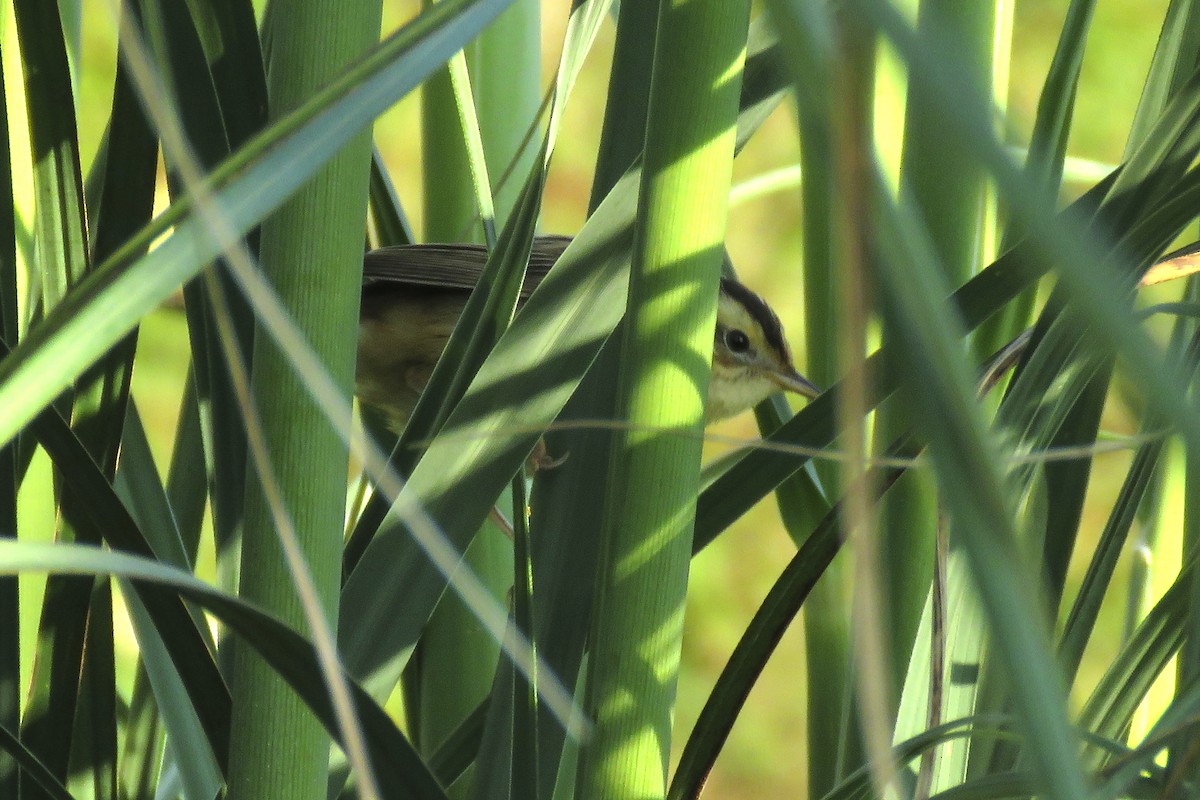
{"points": [[451, 266]]}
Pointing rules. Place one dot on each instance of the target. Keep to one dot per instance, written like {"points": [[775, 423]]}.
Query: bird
{"points": [[412, 296]]}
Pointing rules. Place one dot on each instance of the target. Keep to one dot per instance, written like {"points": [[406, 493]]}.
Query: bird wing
{"points": [[451, 266]]}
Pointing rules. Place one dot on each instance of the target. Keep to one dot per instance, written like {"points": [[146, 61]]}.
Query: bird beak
{"points": [[793, 381]]}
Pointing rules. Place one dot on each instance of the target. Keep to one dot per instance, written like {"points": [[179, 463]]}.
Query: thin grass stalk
{"points": [[457, 656], [451, 215], [948, 187], [171, 32], [807, 34], [834, 742], [566, 529], [854, 76], [312, 250], [122, 204], [637, 624]]}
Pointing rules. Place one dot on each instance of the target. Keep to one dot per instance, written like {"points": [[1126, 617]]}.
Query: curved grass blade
{"points": [[190, 752], [1173, 63], [246, 187], [112, 521], [399, 770], [966, 460], [757, 643]]}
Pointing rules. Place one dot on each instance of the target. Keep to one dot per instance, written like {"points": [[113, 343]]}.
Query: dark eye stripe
{"points": [[757, 308]]}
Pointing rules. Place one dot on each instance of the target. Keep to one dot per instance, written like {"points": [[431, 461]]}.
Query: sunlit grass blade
{"points": [[569, 499], [636, 628], [943, 678]]}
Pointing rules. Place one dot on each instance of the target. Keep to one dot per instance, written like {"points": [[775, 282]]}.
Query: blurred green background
{"points": [[765, 755]]}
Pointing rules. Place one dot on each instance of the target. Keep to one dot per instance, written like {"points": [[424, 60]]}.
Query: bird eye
{"points": [[737, 341]]}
